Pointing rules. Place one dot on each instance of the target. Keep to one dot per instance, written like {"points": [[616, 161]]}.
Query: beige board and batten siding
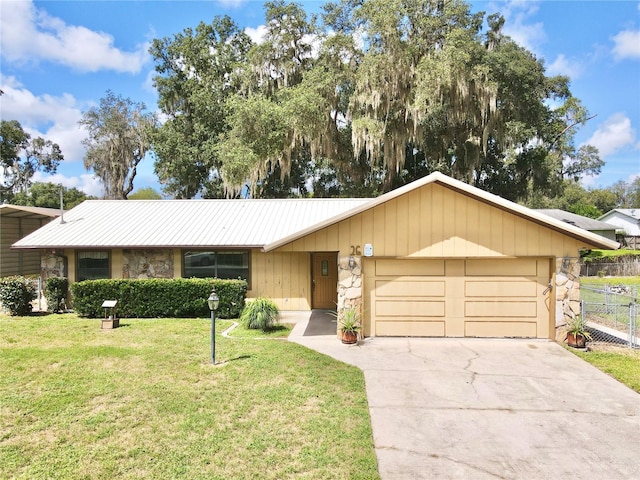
{"points": [[283, 277], [434, 221], [470, 242]]}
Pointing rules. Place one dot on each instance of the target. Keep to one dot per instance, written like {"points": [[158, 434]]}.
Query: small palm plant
{"points": [[350, 325], [261, 314]]}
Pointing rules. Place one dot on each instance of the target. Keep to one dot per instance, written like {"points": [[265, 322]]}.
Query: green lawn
{"points": [[624, 365], [599, 282], [143, 401]]}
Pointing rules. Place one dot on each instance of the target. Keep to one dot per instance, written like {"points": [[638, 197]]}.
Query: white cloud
{"points": [[231, 3], [613, 135], [627, 44], [256, 34], [86, 182], [54, 118], [563, 66], [29, 34], [517, 16]]}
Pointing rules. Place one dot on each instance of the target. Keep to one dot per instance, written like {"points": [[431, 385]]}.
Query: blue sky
{"points": [[60, 57]]}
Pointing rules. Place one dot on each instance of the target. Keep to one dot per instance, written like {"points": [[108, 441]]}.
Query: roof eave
{"points": [[16, 246]]}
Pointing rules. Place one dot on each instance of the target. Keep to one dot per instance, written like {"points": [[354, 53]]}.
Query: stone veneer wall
{"points": [[567, 289], [52, 265], [157, 263], [349, 285]]}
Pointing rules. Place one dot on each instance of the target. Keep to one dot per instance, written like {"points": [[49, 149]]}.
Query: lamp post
{"points": [[213, 302]]}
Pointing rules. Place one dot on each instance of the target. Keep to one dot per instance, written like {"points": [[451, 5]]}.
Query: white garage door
{"points": [[457, 298]]}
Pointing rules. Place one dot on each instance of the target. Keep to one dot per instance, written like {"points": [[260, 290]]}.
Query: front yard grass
{"points": [[143, 401], [621, 364]]}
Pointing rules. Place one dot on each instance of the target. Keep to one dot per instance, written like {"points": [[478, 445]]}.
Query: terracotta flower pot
{"points": [[576, 340], [349, 338]]}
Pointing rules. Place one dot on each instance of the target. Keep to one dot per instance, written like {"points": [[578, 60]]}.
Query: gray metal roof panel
{"points": [[183, 223]]}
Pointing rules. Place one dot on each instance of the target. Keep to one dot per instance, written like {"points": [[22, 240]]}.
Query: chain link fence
{"points": [[612, 314]]}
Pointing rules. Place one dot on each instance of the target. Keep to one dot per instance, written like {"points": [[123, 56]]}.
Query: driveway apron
{"points": [[478, 408]]}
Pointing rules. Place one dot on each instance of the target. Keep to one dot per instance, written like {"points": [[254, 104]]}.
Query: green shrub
{"points": [[151, 298], [16, 294], [56, 290], [261, 314]]}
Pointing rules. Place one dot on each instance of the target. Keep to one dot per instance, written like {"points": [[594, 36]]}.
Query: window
{"points": [[92, 265], [229, 264]]}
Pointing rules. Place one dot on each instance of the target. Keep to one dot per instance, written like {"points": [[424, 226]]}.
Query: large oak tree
{"points": [[372, 95], [22, 156], [119, 138]]}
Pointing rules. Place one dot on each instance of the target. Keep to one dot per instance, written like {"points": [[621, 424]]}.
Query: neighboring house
{"points": [[595, 226], [436, 257], [17, 221], [627, 219]]}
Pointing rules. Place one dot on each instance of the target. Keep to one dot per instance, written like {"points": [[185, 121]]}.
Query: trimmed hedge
{"points": [[177, 298], [16, 294], [55, 291]]}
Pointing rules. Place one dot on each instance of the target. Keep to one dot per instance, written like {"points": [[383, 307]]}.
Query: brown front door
{"points": [[324, 273]]}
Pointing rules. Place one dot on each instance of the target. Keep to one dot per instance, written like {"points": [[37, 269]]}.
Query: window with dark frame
{"points": [[92, 265], [226, 264]]}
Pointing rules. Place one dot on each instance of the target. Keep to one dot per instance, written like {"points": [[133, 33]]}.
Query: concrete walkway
{"points": [[477, 408]]}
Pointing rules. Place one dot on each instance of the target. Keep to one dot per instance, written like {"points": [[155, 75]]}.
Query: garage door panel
{"points": [[517, 267], [406, 287], [517, 309], [456, 297], [409, 308], [409, 267], [501, 329], [410, 329], [500, 288]]}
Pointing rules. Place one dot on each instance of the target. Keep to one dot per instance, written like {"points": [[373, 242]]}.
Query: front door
{"points": [[324, 274]]}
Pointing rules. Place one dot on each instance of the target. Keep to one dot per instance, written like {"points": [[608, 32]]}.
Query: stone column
{"points": [[52, 265], [567, 289], [349, 285]]}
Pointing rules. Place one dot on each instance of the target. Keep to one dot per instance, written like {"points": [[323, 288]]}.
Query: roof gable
{"points": [[461, 188], [633, 213]]}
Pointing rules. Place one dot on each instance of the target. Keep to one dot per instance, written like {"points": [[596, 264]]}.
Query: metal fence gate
{"points": [[611, 313]]}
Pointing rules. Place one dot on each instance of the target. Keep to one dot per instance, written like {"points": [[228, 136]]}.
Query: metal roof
{"points": [[465, 189], [266, 224], [577, 220], [183, 223], [21, 211]]}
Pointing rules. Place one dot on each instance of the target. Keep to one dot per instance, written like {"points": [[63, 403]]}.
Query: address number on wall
{"points": [[355, 250]]}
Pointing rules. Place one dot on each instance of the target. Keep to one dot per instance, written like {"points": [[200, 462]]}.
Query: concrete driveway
{"points": [[476, 408]]}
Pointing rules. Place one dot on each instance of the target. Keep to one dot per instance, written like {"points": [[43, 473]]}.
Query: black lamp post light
{"points": [[213, 302]]}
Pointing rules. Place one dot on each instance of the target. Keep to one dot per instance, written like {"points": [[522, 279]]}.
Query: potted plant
{"points": [[350, 326], [577, 332]]}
